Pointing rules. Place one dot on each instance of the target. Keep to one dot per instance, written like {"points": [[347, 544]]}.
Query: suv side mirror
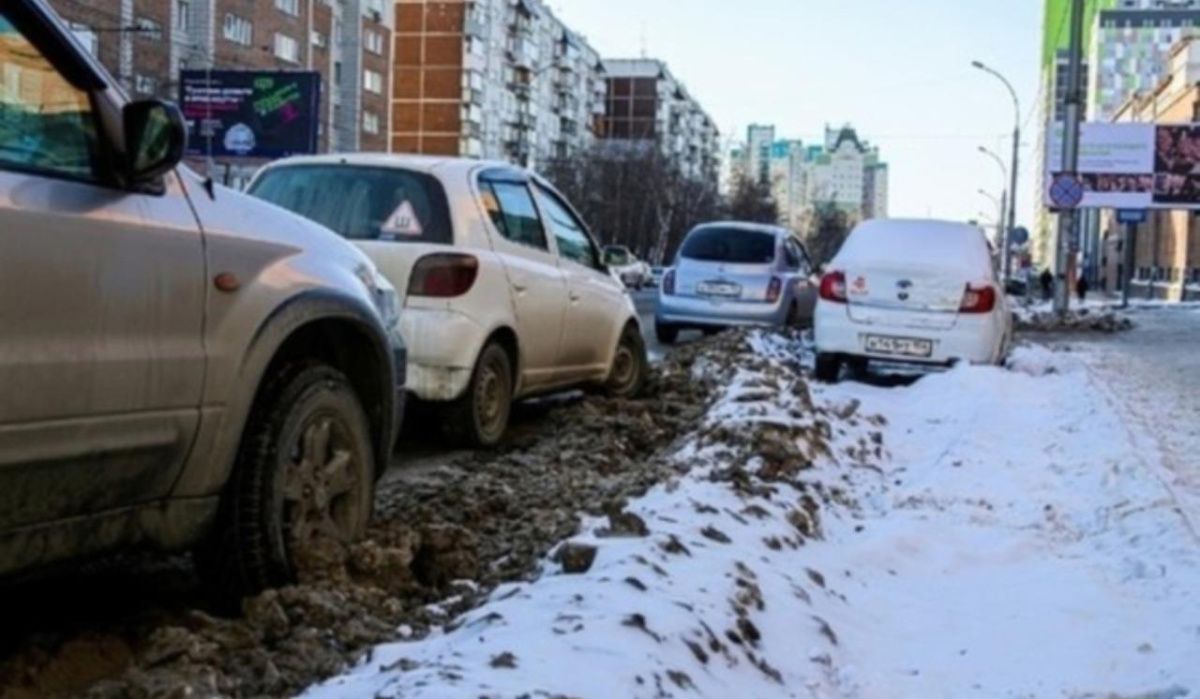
{"points": [[154, 140]]}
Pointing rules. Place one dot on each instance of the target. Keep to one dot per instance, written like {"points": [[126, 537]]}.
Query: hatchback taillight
{"points": [[773, 288], [833, 287], [668, 283], [978, 299], [443, 275]]}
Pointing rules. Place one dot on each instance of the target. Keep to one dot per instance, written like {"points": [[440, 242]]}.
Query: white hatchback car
{"points": [[911, 291], [505, 292]]}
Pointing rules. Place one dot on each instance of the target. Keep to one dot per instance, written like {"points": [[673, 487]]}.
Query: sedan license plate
{"points": [[723, 289], [899, 346]]}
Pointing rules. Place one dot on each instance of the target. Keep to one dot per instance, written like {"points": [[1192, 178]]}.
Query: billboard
{"points": [[1133, 166], [250, 113]]}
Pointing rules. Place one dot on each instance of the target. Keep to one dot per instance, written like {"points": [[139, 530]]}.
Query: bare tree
{"points": [[827, 230], [632, 195], [751, 199]]}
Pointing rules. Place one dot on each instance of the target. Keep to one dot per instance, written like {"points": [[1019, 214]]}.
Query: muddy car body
{"points": [[162, 335]]}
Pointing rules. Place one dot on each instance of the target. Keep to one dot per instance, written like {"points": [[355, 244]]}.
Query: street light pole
{"points": [[1070, 159], [1013, 170], [1000, 207]]}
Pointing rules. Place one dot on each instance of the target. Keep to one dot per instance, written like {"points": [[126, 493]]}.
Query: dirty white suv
{"points": [[505, 293], [181, 365]]}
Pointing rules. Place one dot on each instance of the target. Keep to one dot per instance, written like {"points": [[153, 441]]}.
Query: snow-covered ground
{"points": [[1013, 537]]}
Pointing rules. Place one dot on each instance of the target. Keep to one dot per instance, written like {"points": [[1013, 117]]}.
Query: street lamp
{"points": [[1012, 188]]}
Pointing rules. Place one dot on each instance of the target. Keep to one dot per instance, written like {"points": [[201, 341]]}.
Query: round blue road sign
{"points": [[1066, 191]]}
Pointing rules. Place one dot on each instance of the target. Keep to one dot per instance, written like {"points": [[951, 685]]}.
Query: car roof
{"points": [[445, 166], [930, 241], [771, 228]]}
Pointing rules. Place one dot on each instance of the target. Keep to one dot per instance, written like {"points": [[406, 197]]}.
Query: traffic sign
{"points": [[1018, 236], [1131, 215], [1066, 191]]}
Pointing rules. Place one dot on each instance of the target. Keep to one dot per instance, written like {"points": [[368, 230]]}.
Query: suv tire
{"points": [[302, 486], [628, 372], [479, 417]]}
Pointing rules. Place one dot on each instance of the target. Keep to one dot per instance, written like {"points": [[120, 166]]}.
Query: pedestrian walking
{"points": [[1047, 281], [1081, 288]]}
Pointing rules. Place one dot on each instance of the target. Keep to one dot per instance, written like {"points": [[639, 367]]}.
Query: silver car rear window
{"points": [[734, 245]]}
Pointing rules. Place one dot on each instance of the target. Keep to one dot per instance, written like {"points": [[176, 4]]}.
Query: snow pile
{"points": [[1016, 543]]}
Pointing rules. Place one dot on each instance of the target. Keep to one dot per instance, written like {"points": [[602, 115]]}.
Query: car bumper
{"points": [[686, 312], [971, 339], [442, 347]]}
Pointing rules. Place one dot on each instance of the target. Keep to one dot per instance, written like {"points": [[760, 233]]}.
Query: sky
{"points": [[898, 70]]}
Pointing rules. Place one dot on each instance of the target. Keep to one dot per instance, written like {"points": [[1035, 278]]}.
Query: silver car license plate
{"points": [[898, 346], [723, 289]]}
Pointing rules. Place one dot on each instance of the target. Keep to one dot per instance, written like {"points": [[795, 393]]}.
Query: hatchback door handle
{"points": [[519, 288], [573, 296]]}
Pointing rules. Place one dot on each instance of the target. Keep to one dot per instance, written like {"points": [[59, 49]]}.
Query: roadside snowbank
{"points": [[1015, 543]]}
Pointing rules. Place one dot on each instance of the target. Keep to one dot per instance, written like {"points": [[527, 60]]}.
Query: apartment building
{"points": [[498, 79], [843, 170], [147, 43], [646, 105], [1167, 246]]}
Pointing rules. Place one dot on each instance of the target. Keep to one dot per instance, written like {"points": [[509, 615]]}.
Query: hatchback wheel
{"points": [[665, 333], [480, 416], [628, 372], [302, 487]]}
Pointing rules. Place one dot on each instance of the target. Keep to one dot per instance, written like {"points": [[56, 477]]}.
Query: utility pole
{"points": [[1070, 161], [1127, 250]]}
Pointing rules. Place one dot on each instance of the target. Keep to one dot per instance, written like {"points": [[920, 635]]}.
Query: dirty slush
{"points": [[440, 542]]}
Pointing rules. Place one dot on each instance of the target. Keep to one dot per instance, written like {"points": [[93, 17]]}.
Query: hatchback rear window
{"points": [[362, 203], [735, 245]]}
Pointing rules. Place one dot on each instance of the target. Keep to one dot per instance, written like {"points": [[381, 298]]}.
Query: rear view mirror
{"points": [[154, 140]]}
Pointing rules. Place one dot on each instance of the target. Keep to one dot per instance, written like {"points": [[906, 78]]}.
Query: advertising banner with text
{"points": [[254, 114], [1133, 166]]}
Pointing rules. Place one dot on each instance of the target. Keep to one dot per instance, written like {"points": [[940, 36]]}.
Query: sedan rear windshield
{"points": [[362, 203], [735, 245]]}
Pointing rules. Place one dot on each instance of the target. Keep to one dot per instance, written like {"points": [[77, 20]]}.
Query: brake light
{"points": [[443, 275], [833, 287], [978, 299], [773, 289], [668, 283]]}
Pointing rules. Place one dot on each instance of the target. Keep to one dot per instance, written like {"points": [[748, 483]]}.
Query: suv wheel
{"points": [[829, 368], [302, 487], [480, 416], [666, 334], [628, 372]]}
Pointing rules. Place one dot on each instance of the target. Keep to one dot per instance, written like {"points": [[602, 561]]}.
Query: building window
{"points": [[292, 7], [370, 122], [373, 82], [238, 30], [319, 40], [373, 42], [148, 29], [86, 36], [144, 84], [183, 15], [287, 48]]}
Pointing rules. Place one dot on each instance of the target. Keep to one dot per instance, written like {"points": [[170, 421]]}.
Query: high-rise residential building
{"points": [[501, 79], [146, 43], [843, 170], [646, 104]]}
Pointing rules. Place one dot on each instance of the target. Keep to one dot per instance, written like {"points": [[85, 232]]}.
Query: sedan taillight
{"points": [[833, 287], [978, 299], [443, 275], [668, 283]]}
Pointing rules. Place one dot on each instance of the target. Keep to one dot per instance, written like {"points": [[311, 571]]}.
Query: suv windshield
{"points": [[615, 256], [734, 245], [361, 203]]}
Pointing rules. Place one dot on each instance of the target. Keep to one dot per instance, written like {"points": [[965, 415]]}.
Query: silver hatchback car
{"points": [[732, 273]]}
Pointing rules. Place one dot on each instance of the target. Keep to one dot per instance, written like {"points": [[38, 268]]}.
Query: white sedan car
{"points": [[914, 292], [505, 292]]}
